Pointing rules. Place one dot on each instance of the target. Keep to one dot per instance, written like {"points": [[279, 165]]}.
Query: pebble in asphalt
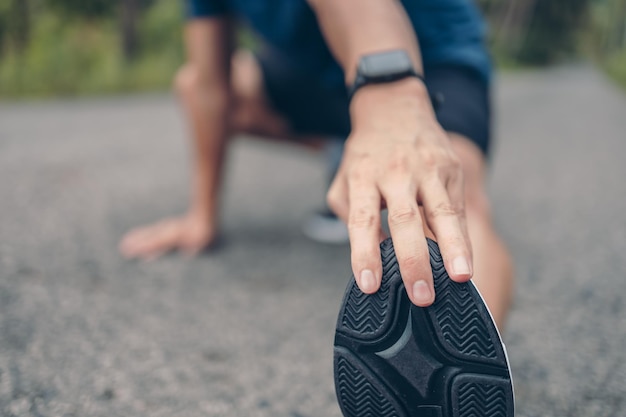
{"points": [[247, 331]]}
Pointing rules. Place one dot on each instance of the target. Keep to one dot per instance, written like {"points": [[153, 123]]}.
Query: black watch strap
{"points": [[361, 81]]}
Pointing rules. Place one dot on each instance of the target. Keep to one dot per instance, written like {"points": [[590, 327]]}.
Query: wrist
{"points": [[395, 100], [201, 213], [409, 88]]}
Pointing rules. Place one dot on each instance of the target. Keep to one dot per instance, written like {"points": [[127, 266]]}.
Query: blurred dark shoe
{"points": [[325, 227]]}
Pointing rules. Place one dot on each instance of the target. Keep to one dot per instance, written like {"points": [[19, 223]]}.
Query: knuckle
{"points": [[333, 199], [456, 166], [412, 261], [331, 203], [360, 172], [399, 163], [403, 215], [362, 219], [429, 158], [334, 205], [356, 173], [443, 210], [333, 193], [440, 159]]}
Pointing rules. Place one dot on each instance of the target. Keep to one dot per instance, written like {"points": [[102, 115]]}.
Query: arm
{"points": [[396, 156], [203, 86], [204, 90]]}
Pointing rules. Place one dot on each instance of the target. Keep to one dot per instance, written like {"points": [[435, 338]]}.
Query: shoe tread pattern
{"points": [[358, 396], [366, 316], [460, 331], [464, 331], [481, 399]]}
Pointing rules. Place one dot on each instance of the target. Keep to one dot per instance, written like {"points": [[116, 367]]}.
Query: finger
{"points": [[456, 191], [405, 225], [337, 197], [444, 219], [133, 239], [152, 242], [152, 256], [364, 230]]}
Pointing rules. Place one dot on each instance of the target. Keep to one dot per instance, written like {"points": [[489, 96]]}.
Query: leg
{"points": [[253, 113], [493, 267]]}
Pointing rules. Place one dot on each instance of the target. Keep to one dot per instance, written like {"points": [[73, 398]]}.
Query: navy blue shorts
{"points": [[312, 108]]}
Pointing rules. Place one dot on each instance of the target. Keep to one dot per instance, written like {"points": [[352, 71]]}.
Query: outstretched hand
{"points": [[399, 157], [189, 234]]}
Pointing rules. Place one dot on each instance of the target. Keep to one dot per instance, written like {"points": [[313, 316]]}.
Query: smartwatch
{"points": [[383, 67]]}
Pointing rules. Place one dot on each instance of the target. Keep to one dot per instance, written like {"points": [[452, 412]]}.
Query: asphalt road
{"points": [[247, 330]]}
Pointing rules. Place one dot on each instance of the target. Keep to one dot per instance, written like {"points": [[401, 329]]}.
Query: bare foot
{"points": [[189, 234]]}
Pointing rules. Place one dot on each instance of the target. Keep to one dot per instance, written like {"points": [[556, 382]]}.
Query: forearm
{"points": [[208, 113], [206, 97], [354, 28]]}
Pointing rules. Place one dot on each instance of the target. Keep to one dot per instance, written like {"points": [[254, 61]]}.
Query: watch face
{"points": [[385, 65]]}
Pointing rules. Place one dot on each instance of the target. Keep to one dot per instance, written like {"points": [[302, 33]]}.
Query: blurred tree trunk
{"points": [[515, 20], [129, 14], [620, 25], [19, 23]]}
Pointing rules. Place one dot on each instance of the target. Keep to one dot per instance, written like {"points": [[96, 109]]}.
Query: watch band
{"points": [[361, 81]]}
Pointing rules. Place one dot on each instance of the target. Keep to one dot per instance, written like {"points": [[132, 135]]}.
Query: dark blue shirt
{"points": [[450, 32]]}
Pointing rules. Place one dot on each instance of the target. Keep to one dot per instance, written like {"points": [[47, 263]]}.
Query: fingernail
{"points": [[421, 292], [460, 266], [367, 281]]}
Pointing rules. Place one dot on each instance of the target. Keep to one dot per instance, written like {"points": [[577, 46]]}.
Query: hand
{"points": [[398, 156], [190, 234]]}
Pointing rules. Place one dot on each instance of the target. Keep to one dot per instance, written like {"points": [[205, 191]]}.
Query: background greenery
{"points": [[50, 47], [68, 47]]}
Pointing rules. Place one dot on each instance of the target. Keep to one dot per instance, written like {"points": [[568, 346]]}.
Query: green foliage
{"points": [[81, 8], [542, 32], [91, 9], [606, 42], [535, 32], [616, 67], [69, 47], [553, 31], [83, 56]]}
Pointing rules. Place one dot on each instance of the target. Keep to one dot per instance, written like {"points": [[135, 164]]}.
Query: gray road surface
{"points": [[247, 331]]}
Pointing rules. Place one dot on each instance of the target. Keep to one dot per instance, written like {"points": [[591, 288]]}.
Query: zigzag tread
{"points": [[461, 325], [481, 400], [366, 314], [358, 396]]}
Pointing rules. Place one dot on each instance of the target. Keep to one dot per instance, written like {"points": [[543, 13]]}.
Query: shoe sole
{"points": [[394, 359]]}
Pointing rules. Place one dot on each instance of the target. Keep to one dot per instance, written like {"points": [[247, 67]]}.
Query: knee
{"points": [[246, 78], [249, 101], [477, 204], [186, 79], [196, 90]]}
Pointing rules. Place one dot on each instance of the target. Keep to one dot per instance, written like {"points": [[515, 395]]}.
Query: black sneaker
{"points": [[393, 358]]}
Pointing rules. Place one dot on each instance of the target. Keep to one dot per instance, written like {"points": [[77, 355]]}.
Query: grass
{"points": [[84, 57], [615, 66]]}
